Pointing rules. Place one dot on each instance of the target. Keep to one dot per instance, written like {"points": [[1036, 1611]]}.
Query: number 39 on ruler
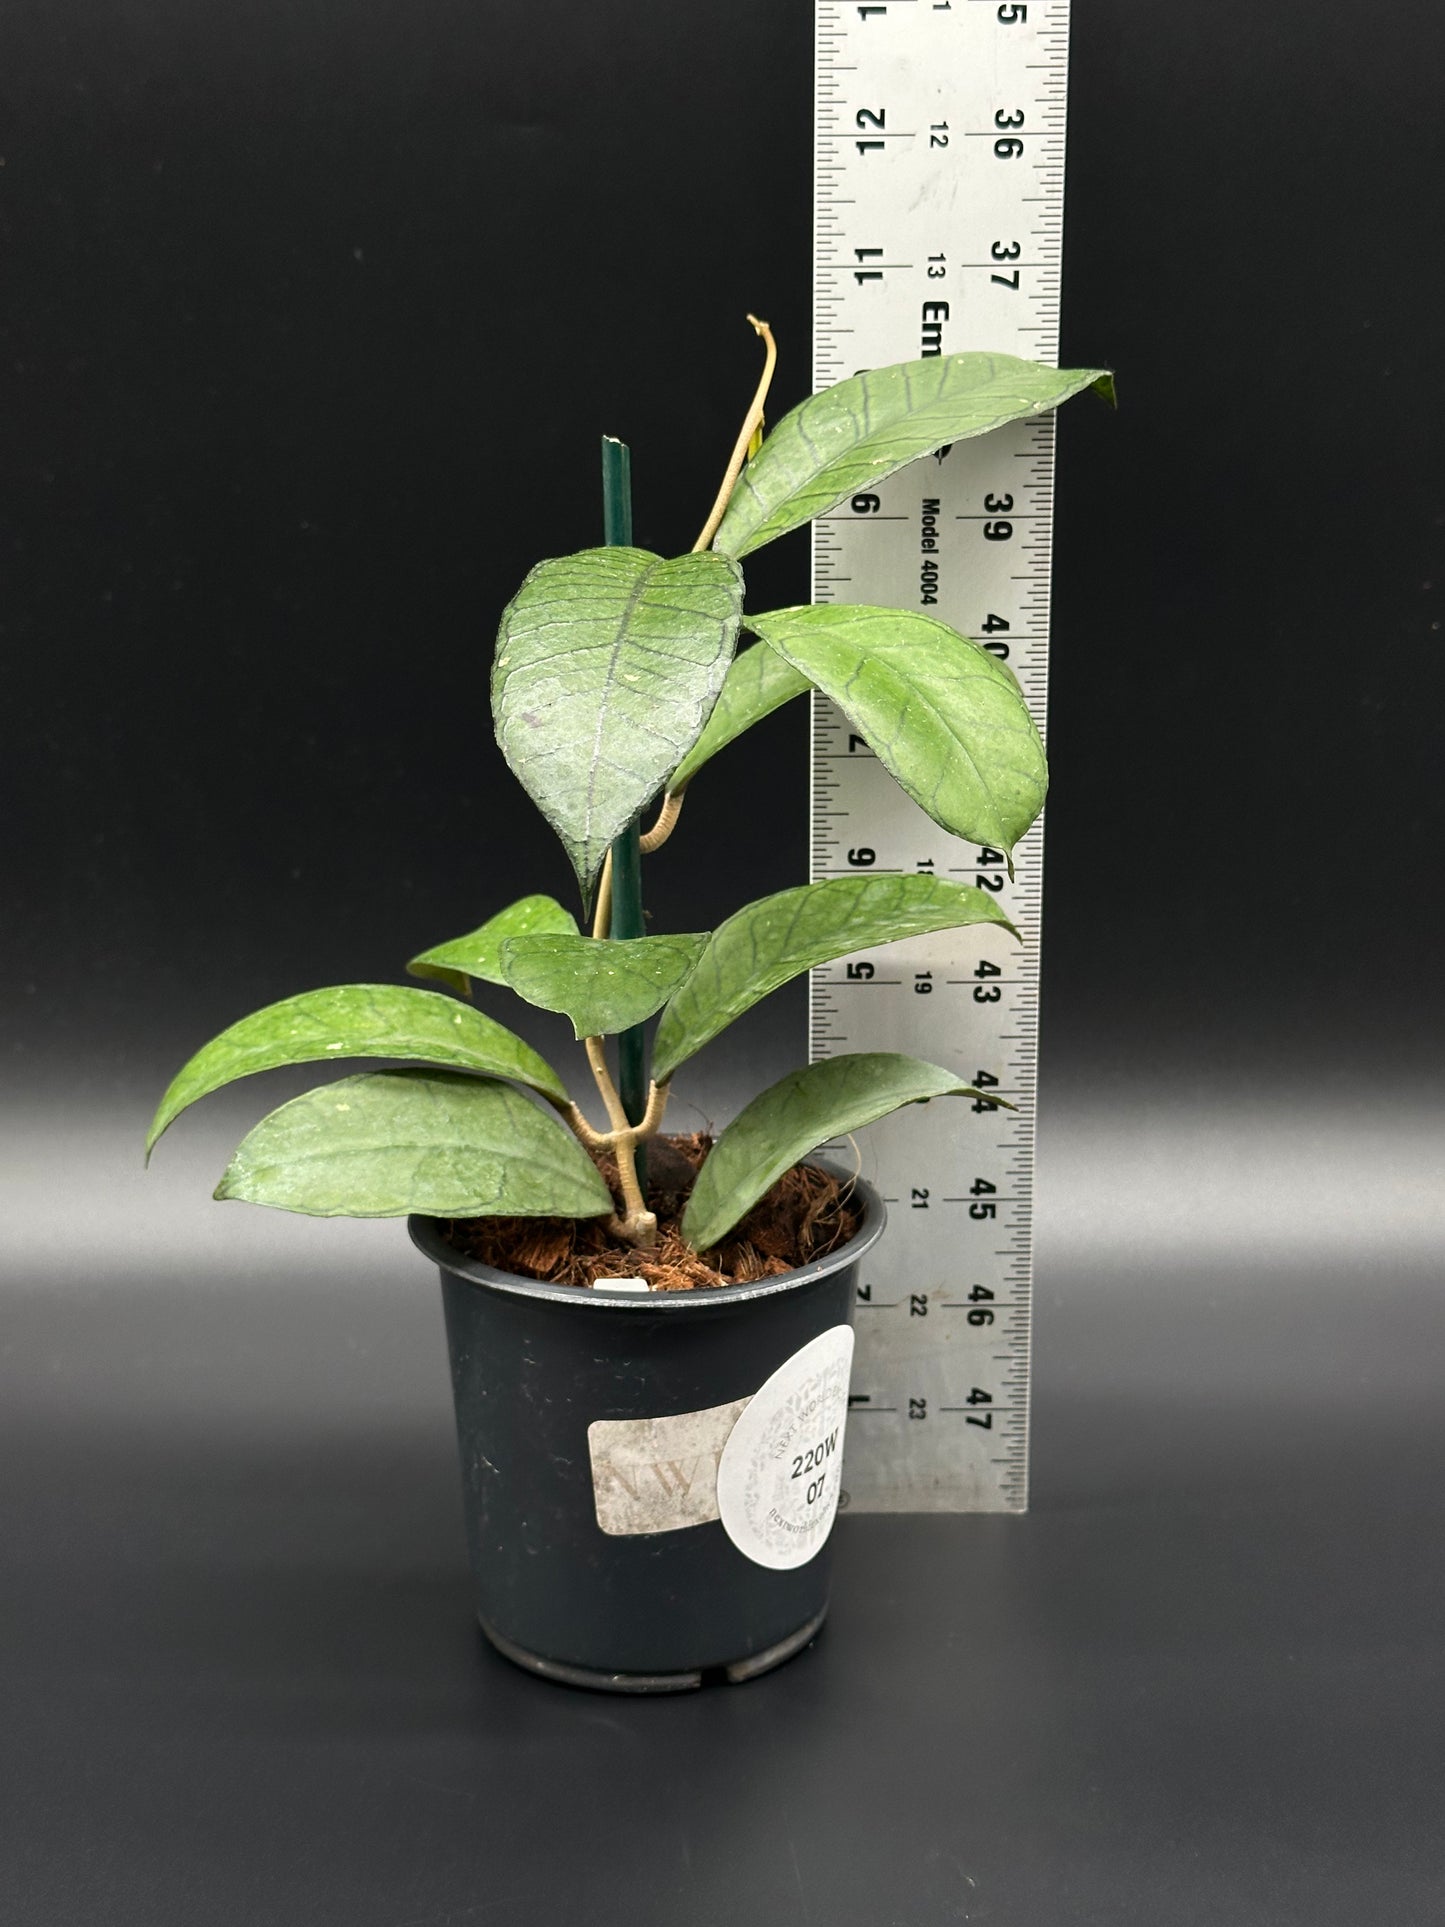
{"points": [[939, 152]]}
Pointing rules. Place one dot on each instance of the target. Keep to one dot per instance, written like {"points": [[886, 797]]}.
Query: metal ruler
{"points": [[938, 227]]}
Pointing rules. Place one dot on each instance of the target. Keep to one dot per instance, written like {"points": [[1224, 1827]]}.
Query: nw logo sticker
{"points": [[656, 1474]]}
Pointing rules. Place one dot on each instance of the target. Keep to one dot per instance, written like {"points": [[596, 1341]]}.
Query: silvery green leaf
{"points": [[603, 984], [356, 1020], [848, 438], [947, 719], [800, 1112], [441, 1143], [478, 954], [608, 664], [773, 940], [757, 683]]}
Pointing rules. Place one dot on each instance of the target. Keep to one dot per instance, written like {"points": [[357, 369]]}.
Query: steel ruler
{"points": [[939, 176]]}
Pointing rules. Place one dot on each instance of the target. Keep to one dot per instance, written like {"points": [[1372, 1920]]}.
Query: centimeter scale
{"points": [[938, 227]]}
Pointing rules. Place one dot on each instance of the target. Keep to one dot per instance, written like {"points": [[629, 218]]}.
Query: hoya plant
{"points": [[618, 677]]}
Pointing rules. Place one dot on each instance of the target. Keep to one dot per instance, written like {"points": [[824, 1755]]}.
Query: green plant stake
{"points": [[626, 919], [617, 679]]}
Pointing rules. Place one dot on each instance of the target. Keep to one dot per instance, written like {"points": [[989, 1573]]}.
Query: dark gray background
{"points": [[311, 317]]}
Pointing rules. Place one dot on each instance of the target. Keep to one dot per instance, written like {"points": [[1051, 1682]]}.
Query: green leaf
{"points": [[850, 437], [774, 939], [603, 984], [356, 1020], [384, 1144], [479, 954], [757, 683], [608, 665], [800, 1112], [946, 718]]}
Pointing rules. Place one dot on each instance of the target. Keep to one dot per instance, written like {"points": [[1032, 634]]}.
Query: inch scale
{"points": [[939, 176]]}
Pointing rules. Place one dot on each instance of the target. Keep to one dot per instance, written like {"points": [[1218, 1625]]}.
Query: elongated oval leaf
{"points": [[800, 1112], [356, 1020], [768, 942], [845, 439], [946, 717], [757, 683], [608, 664], [603, 984], [479, 953], [389, 1142]]}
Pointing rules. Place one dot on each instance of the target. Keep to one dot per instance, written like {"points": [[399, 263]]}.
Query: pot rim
{"points": [[426, 1235]]}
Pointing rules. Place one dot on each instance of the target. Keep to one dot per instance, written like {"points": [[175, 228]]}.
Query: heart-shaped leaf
{"points": [[603, 984], [946, 717], [608, 665], [796, 1115], [768, 942], [757, 683], [441, 1143], [844, 440], [479, 953], [356, 1020]]}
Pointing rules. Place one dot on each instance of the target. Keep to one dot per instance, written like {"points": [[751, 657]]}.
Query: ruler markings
{"points": [[929, 240]]}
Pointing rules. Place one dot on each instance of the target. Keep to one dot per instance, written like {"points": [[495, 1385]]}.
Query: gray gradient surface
{"points": [[1198, 1681]]}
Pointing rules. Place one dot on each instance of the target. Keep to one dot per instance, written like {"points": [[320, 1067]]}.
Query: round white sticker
{"points": [[778, 1480]]}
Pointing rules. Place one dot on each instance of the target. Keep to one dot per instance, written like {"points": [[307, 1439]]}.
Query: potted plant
{"points": [[650, 1336]]}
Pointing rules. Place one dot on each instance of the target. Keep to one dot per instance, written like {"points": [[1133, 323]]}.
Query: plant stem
{"points": [[752, 423], [666, 823], [626, 919], [749, 437]]}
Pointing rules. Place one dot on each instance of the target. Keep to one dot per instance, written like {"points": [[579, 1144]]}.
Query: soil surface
{"points": [[807, 1214]]}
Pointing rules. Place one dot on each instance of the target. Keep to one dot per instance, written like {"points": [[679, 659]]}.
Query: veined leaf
{"points": [[946, 717], [851, 436], [772, 940], [356, 1020], [800, 1112], [603, 984], [757, 683], [384, 1144], [479, 953], [608, 665]]}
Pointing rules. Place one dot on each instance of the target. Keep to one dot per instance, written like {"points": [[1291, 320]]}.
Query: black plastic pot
{"points": [[582, 1410]]}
